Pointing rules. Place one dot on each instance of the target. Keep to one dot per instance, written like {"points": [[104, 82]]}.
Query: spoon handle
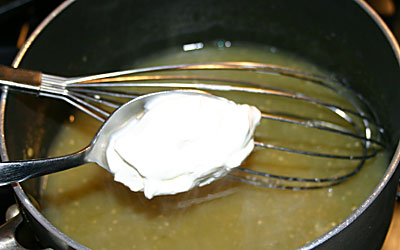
{"points": [[16, 171]]}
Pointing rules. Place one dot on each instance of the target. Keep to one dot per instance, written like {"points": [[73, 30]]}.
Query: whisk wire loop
{"points": [[97, 95]]}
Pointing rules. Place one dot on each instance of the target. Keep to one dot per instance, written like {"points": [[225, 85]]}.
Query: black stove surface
{"points": [[18, 18]]}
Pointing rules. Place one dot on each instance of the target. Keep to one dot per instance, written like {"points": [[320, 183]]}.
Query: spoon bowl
{"points": [[17, 171]]}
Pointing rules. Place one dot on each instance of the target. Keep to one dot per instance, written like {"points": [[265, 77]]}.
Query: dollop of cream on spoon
{"points": [[181, 141]]}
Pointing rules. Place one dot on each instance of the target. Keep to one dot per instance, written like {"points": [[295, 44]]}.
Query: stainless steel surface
{"points": [[8, 231], [17, 171]]}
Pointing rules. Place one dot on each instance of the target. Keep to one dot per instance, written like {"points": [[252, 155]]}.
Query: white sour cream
{"points": [[181, 141]]}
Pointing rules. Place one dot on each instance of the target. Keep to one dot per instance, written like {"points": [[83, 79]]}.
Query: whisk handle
{"points": [[23, 76], [17, 171]]}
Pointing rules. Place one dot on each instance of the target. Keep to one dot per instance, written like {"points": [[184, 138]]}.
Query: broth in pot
{"points": [[86, 204]]}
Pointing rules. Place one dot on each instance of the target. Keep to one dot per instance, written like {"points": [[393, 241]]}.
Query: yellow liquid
{"points": [[86, 204]]}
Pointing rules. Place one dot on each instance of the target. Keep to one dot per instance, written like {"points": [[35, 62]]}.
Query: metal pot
{"points": [[85, 37]]}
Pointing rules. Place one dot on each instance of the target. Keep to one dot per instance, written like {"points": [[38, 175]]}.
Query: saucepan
{"points": [[87, 37]]}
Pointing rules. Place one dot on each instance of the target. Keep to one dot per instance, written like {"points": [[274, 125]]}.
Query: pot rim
{"points": [[23, 198]]}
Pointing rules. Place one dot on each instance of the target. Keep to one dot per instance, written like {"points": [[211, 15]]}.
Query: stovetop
{"points": [[18, 18]]}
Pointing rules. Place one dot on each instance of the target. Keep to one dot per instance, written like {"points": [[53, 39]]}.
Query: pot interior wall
{"points": [[98, 36]]}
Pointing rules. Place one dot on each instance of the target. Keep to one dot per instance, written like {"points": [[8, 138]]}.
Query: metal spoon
{"points": [[17, 171]]}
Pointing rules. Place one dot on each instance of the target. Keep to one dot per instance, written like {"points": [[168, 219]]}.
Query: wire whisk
{"points": [[98, 95]]}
